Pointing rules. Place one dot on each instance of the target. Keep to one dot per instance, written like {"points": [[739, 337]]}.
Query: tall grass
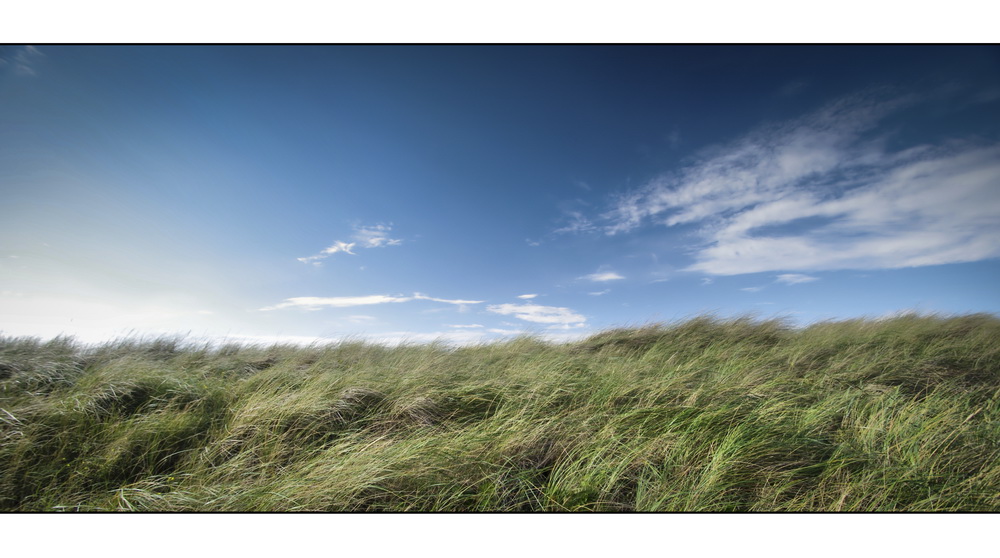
{"points": [[703, 415]]}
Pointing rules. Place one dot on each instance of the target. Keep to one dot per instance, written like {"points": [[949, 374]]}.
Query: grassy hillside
{"points": [[704, 415]]}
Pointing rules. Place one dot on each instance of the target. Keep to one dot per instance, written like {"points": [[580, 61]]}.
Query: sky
{"points": [[467, 194]]}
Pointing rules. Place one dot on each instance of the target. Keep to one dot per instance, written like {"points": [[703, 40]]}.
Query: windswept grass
{"points": [[704, 415]]}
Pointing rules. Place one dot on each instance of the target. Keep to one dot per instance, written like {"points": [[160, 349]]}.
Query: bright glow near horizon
{"points": [[474, 193]]}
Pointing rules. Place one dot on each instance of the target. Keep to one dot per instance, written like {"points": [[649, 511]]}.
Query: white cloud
{"points": [[339, 246], [756, 168], [374, 236], [502, 331], [752, 289], [316, 303], [418, 296], [793, 279], [602, 276], [578, 223], [527, 296], [465, 326], [538, 314], [599, 293], [818, 193], [565, 326]]}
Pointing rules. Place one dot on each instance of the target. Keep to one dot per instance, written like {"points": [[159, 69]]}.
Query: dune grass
{"points": [[703, 415]]}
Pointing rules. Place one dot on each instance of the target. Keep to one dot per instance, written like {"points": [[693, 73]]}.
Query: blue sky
{"points": [[474, 193]]}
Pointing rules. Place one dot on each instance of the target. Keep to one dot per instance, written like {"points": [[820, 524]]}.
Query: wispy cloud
{"points": [[823, 192], [599, 293], [539, 314], [794, 278], [418, 296], [465, 326], [577, 223], [603, 276], [337, 246], [374, 236], [21, 60], [317, 303], [792, 88], [526, 296]]}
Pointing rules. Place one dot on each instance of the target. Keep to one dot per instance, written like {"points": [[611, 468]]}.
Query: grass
{"points": [[704, 415]]}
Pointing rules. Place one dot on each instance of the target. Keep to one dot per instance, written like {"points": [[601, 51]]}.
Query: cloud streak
{"points": [[795, 278], [578, 224], [536, 313], [603, 276], [823, 192], [20, 59], [374, 236], [313, 303]]}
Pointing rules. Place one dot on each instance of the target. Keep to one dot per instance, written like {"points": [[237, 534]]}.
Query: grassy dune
{"points": [[705, 415]]}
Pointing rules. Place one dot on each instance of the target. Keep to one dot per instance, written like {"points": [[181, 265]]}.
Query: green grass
{"points": [[704, 415]]}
